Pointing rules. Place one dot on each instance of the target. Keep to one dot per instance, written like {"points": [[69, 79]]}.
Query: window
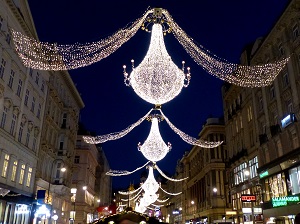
{"points": [[43, 86], [8, 38], [27, 138], [22, 173], [275, 186], [32, 104], [64, 121], [289, 106], [26, 97], [239, 173], [13, 124], [14, 171], [294, 182], [253, 166], [20, 134], [285, 79], [29, 177], [34, 144], [260, 103], [272, 92], [39, 111], [37, 78], [11, 78], [76, 159], [295, 32], [281, 49], [2, 68], [249, 112], [30, 72], [19, 87], [5, 165], [4, 114], [1, 22]]}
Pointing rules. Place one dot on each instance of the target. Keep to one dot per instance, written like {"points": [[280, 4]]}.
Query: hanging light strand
{"points": [[124, 172], [189, 139], [129, 192], [245, 76], [162, 201], [114, 135], [174, 194], [165, 176], [52, 56]]}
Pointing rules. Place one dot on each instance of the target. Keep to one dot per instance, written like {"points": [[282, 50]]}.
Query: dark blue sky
{"points": [[223, 27]]}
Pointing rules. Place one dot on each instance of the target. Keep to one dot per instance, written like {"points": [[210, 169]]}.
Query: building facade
{"points": [[57, 150], [23, 95], [262, 131], [205, 191]]}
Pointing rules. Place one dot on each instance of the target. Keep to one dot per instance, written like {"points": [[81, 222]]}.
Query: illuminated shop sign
{"points": [[263, 174], [247, 210], [248, 198], [287, 120], [283, 201], [257, 210]]}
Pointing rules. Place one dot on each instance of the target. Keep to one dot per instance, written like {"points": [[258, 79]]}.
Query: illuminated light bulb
{"points": [[154, 148], [150, 186], [157, 79]]}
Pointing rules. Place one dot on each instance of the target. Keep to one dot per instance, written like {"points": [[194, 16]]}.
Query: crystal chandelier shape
{"points": [[154, 148], [150, 186], [157, 79]]}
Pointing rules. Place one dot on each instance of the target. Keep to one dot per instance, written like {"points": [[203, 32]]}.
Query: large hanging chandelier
{"points": [[157, 79], [154, 148]]}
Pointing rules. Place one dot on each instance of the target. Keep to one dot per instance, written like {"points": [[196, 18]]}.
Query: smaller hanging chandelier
{"points": [[154, 148], [150, 186]]}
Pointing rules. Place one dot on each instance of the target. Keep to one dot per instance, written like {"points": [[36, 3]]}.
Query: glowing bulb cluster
{"points": [[154, 148], [157, 79]]}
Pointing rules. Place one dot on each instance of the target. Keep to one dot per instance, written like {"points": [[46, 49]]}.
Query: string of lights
{"points": [[162, 201], [129, 192], [174, 194], [165, 176], [189, 139], [114, 135], [124, 172], [246, 76], [53, 56]]}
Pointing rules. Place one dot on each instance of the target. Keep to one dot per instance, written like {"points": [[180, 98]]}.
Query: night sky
{"points": [[223, 27]]}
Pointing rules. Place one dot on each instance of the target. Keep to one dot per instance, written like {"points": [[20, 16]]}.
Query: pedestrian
{"points": [[297, 219]]}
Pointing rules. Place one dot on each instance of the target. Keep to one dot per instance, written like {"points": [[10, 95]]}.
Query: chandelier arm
{"points": [[245, 76], [124, 172], [165, 176], [189, 139], [162, 201], [114, 135], [129, 192], [174, 194], [51, 56]]}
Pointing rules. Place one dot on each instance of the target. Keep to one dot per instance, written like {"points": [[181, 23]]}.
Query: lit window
{"points": [[29, 177], [22, 173], [5, 165], [14, 171]]}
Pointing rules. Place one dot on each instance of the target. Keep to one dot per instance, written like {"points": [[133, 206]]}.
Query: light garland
{"points": [[154, 148], [174, 194], [168, 178], [115, 135], [245, 76], [124, 172], [189, 139], [129, 192], [157, 79], [162, 201], [52, 56]]}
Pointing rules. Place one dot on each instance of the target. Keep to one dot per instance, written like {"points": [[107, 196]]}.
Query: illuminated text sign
{"points": [[249, 198], [283, 201]]}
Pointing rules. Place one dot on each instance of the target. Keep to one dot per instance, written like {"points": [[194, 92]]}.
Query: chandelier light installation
{"points": [[53, 56], [154, 148], [157, 79]]}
